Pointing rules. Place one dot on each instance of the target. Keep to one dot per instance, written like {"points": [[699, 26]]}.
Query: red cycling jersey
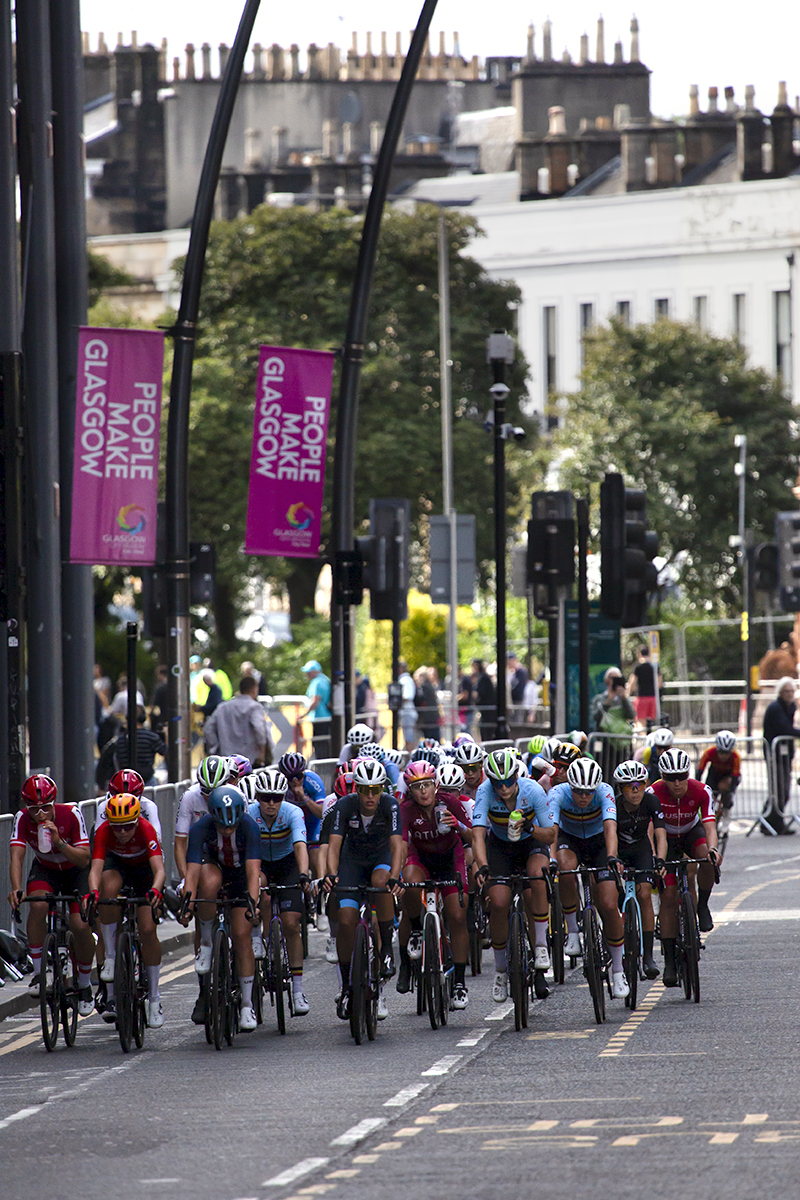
{"points": [[143, 845], [69, 822], [681, 815], [421, 832], [730, 765]]}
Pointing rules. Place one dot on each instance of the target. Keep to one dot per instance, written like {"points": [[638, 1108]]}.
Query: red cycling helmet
{"points": [[344, 784], [126, 781], [39, 789]]}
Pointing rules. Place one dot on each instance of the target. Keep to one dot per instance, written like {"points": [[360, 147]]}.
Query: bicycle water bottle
{"points": [[44, 839], [441, 824], [516, 820]]}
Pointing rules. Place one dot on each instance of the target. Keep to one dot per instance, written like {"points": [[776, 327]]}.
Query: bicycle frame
{"points": [[436, 967], [596, 958], [278, 976], [364, 965], [58, 1002]]}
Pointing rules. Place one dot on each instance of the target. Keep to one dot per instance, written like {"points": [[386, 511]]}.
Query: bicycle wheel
{"points": [[432, 972], [593, 963], [474, 914], [518, 970], [359, 985], [49, 997], [218, 987], [416, 975], [631, 952], [691, 948], [258, 992], [69, 992], [124, 984], [371, 1012], [558, 935], [140, 994], [304, 923], [276, 982]]}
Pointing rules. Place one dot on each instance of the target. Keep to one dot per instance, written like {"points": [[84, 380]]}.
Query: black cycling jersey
{"points": [[632, 824], [363, 836]]}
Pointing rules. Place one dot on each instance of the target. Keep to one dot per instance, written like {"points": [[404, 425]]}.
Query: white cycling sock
{"points": [[246, 984], [153, 974], [500, 959], [540, 933], [205, 932], [109, 933], [616, 958], [572, 922]]}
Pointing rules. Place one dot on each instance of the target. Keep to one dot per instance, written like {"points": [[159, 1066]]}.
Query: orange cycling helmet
{"points": [[123, 808]]}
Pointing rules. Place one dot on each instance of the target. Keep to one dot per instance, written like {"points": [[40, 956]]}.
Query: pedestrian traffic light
{"points": [[384, 559], [787, 535], [551, 550], [765, 567], [627, 550]]}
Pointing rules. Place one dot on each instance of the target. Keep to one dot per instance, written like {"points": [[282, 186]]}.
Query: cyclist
{"points": [[497, 854], [657, 742], [59, 870], [583, 808], [127, 853], [284, 863], [724, 772], [224, 850], [562, 757], [434, 799], [365, 850], [344, 785], [469, 756], [688, 808], [376, 751], [357, 736], [131, 782], [638, 808], [306, 790], [240, 766]]}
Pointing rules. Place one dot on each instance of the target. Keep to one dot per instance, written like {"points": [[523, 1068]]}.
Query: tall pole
{"points": [[176, 568], [446, 404], [740, 469], [582, 506], [343, 516], [499, 352], [40, 350], [77, 588]]}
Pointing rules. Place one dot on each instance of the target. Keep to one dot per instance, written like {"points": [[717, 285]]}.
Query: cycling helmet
{"points": [[214, 771], [578, 737], [726, 741], [126, 781], [430, 756], [123, 808], [247, 786], [394, 756], [631, 772], [502, 766], [373, 750], [536, 744], [428, 743], [240, 765], [462, 739], [565, 754], [342, 767], [584, 773], [270, 782], [674, 762], [549, 748], [419, 769], [450, 777], [446, 750], [292, 764], [344, 784], [368, 772], [469, 754], [39, 789], [227, 806], [359, 735], [662, 737]]}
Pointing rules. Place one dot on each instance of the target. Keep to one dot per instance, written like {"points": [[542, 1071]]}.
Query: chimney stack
{"points": [[635, 152], [782, 122], [634, 40], [584, 49], [547, 37], [749, 138], [600, 53]]}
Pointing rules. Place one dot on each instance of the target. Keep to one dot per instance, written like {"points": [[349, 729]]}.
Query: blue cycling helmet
{"points": [[424, 755], [227, 806]]}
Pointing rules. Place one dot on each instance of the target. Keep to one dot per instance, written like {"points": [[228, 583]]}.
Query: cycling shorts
{"points": [[713, 780], [511, 858], [135, 875], [441, 866], [44, 878], [357, 872], [590, 852], [688, 842], [638, 855], [284, 872]]}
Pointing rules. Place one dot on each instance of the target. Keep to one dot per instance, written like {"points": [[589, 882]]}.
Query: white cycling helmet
{"points": [[549, 748], [726, 741], [450, 776], [247, 787], [584, 773], [662, 737], [631, 772], [368, 772], [269, 782], [468, 754], [674, 762], [394, 756], [359, 735]]}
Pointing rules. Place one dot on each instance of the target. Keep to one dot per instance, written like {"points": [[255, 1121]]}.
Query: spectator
{"points": [[318, 695], [115, 754], [239, 726], [102, 685], [779, 723], [613, 715], [408, 711], [249, 668], [485, 699], [516, 678], [158, 707], [465, 701], [214, 697], [530, 700], [642, 689], [427, 703]]}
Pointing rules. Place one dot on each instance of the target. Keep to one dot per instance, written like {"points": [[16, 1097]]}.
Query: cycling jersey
{"points": [[363, 836], [582, 822], [143, 845], [649, 755], [71, 827], [314, 788], [681, 815], [192, 807], [492, 813], [718, 768], [633, 824], [421, 831], [277, 840], [207, 842], [149, 812]]}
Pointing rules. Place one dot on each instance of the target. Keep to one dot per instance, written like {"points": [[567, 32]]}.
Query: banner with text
{"points": [[287, 470], [117, 425]]}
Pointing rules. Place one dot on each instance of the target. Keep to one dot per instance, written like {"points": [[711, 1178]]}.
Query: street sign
{"points": [[604, 652], [465, 559]]}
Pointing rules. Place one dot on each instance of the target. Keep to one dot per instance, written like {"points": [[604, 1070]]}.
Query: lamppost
{"points": [[745, 551], [499, 353]]}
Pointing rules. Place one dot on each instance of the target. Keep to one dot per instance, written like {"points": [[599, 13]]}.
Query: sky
{"points": [[683, 42]]}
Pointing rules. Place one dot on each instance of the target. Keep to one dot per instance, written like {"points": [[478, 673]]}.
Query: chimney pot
{"points": [[531, 52], [782, 93], [600, 53], [730, 103], [547, 39], [749, 98], [694, 103], [543, 181], [557, 121], [634, 40], [712, 99], [584, 48], [618, 59]]}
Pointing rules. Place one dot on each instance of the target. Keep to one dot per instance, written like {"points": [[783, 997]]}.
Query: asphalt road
{"points": [[675, 1099]]}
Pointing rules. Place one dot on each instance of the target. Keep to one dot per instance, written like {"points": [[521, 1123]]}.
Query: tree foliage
{"points": [[661, 403]]}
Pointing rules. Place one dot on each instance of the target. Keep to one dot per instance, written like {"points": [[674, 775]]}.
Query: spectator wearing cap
{"points": [[318, 695], [239, 726]]}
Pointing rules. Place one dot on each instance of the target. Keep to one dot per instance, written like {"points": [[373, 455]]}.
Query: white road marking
{"points": [[443, 1065], [776, 862], [406, 1095], [501, 1012], [21, 1115], [758, 914], [473, 1038], [305, 1167], [358, 1132]]}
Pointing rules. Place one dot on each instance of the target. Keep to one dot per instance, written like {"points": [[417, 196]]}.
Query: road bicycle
{"points": [[130, 974], [435, 980], [275, 974], [477, 924], [223, 995], [520, 959], [596, 958], [556, 926], [633, 946], [58, 976], [687, 930], [365, 962]]}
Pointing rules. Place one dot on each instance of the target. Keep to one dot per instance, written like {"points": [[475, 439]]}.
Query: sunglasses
{"points": [[368, 789], [675, 778], [583, 791], [271, 799], [421, 783], [38, 807], [501, 783], [126, 826], [472, 767]]}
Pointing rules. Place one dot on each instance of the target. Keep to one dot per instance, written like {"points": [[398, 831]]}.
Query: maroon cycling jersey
{"points": [[71, 827], [681, 815], [143, 845], [421, 832]]}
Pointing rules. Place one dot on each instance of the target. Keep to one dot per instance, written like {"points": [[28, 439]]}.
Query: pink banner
{"points": [[287, 470], [117, 424]]}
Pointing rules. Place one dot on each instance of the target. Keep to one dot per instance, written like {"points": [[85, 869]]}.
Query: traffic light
{"points": [[551, 550], [787, 535], [627, 550], [384, 559], [765, 567]]}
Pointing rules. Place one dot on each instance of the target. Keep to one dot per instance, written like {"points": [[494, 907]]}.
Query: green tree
{"points": [[104, 275], [661, 404], [283, 277]]}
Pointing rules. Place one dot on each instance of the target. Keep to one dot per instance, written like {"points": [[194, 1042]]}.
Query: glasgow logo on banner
{"points": [[287, 469], [117, 428]]}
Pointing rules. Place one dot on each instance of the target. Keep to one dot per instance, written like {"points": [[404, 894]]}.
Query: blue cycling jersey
{"points": [[491, 812], [582, 822], [206, 840], [315, 789], [278, 840]]}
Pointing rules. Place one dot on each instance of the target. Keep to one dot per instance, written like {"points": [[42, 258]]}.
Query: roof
{"points": [[464, 190]]}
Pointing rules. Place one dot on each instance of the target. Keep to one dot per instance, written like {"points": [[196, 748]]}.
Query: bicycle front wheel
{"points": [[432, 972], [139, 994], [371, 1012], [276, 980], [475, 923], [124, 985], [218, 987], [69, 992], [632, 952], [593, 963], [50, 991], [359, 985], [518, 970], [258, 992], [691, 948], [558, 935]]}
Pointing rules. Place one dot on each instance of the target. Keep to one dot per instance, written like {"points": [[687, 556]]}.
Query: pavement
{"points": [[674, 1098]]}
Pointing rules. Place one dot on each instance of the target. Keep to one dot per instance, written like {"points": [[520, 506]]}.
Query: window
{"points": [[739, 316], [783, 336], [624, 311], [587, 325], [700, 306], [662, 307], [550, 372]]}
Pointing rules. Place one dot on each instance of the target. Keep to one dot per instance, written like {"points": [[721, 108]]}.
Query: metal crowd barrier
{"points": [[326, 769]]}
